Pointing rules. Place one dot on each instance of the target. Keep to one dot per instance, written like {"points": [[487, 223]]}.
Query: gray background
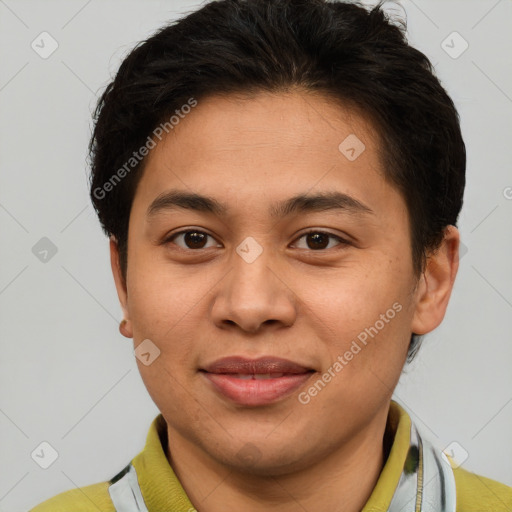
{"points": [[69, 378]]}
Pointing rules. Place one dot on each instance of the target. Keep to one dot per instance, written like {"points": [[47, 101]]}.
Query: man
{"points": [[281, 182]]}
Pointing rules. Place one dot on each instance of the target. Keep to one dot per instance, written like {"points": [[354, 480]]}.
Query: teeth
{"points": [[257, 376]]}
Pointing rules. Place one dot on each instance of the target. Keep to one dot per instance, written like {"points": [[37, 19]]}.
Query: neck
{"points": [[342, 482]]}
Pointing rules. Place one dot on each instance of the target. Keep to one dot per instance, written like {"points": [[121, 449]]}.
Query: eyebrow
{"points": [[301, 203]]}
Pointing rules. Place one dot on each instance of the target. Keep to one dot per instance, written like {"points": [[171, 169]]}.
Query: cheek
{"points": [[365, 358], [366, 315], [166, 308], [357, 295], [160, 299]]}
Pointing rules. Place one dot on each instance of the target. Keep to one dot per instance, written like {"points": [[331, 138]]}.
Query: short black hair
{"points": [[355, 55]]}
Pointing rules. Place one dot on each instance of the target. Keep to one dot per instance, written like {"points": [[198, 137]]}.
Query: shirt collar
{"points": [[414, 474]]}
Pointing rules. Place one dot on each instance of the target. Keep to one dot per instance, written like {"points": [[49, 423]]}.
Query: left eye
{"points": [[319, 240]]}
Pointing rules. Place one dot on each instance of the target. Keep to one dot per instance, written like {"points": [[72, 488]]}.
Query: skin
{"points": [[294, 301]]}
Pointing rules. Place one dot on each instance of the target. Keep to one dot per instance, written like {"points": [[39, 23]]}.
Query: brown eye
{"points": [[195, 239], [319, 240], [192, 239]]}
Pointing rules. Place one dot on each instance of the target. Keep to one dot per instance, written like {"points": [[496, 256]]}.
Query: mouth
{"points": [[256, 382]]}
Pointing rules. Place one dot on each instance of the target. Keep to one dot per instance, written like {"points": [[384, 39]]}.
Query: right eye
{"points": [[192, 239]]}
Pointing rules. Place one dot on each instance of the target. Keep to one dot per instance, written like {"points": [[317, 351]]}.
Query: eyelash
{"points": [[342, 241]]}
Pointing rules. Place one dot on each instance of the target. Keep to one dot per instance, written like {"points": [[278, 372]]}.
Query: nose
{"points": [[254, 294]]}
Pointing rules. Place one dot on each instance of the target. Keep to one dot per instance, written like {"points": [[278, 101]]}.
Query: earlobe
{"points": [[434, 290], [125, 327]]}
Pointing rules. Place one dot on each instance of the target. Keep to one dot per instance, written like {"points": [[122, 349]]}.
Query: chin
{"points": [[271, 463]]}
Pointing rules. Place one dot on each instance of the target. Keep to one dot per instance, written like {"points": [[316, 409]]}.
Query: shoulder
{"points": [[476, 493], [92, 498]]}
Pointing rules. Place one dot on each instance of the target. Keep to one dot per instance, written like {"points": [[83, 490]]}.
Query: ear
{"points": [[436, 283], [125, 328]]}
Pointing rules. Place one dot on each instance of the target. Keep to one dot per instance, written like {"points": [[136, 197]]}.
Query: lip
{"points": [[262, 365], [233, 377]]}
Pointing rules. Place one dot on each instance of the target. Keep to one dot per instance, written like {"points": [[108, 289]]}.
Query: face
{"points": [[283, 322]]}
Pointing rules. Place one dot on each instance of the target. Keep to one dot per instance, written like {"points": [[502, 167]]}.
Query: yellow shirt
{"points": [[157, 489]]}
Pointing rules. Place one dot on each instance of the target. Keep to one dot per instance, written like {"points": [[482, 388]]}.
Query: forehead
{"points": [[288, 121], [248, 150]]}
